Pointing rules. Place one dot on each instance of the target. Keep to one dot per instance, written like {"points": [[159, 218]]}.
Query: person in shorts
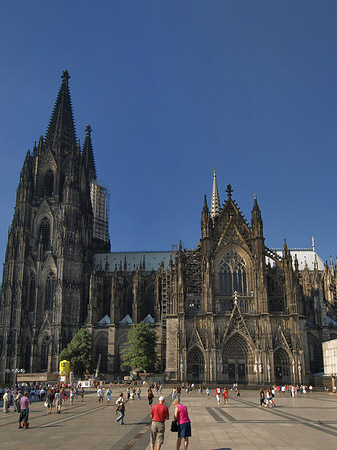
{"points": [[184, 423], [159, 413]]}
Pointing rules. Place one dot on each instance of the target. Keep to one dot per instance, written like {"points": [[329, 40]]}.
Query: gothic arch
{"points": [[50, 291], [44, 224], [233, 271], [44, 351], [282, 366], [195, 364], [237, 358]]}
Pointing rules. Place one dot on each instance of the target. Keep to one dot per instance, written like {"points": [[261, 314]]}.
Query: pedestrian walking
{"points": [[217, 394], [184, 423], [24, 410], [150, 396], [159, 413], [225, 395], [50, 400], [138, 393], [100, 394], [262, 399], [82, 395], [5, 399], [17, 400], [120, 402], [58, 402], [108, 397]]}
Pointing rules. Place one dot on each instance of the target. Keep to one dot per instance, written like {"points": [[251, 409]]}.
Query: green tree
{"points": [[140, 351], [78, 352]]}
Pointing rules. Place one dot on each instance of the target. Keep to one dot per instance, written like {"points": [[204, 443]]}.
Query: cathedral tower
{"points": [[50, 248]]}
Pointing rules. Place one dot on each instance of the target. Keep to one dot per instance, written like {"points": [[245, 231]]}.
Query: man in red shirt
{"points": [[159, 414]]}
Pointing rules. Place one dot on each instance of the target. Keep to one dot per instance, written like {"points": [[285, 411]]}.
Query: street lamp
{"points": [[15, 373]]}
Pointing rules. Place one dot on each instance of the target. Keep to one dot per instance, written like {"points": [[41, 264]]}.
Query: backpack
{"points": [[120, 406]]}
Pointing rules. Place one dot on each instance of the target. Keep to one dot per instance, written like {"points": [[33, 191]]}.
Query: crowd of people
{"points": [[21, 397]]}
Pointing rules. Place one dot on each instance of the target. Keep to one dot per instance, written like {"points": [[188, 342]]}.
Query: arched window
{"points": [[50, 291], [232, 274], [49, 183], [44, 354], [45, 233]]}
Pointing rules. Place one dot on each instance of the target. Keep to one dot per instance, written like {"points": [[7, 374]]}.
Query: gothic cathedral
{"points": [[231, 310]]}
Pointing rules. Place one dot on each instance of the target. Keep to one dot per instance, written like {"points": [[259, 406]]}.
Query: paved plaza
{"points": [[306, 422]]}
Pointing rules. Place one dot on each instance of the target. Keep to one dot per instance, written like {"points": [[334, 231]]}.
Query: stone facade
{"points": [[230, 310]]}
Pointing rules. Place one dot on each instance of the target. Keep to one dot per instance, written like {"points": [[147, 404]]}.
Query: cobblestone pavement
{"points": [[306, 422]]}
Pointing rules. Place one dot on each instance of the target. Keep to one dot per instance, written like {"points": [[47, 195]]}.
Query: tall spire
{"points": [[61, 130], [215, 205], [88, 154]]}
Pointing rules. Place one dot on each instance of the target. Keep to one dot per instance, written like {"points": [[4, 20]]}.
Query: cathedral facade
{"points": [[230, 310]]}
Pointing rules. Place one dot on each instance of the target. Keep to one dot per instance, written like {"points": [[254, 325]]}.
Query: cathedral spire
{"points": [[215, 205], [257, 224], [88, 154], [61, 134]]}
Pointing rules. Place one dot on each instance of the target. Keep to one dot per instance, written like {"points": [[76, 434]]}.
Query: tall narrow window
{"points": [[44, 354], [50, 291], [31, 294], [45, 233], [49, 183], [232, 274]]}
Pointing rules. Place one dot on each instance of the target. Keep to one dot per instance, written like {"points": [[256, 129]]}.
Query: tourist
{"points": [[120, 402], [217, 394], [138, 393], [72, 395], [100, 394], [150, 396], [178, 392], [24, 410], [17, 400], [6, 399], [82, 395], [262, 399], [208, 391], [58, 402], [184, 423], [225, 395], [50, 400], [108, 397], [174, 394], [159, 413]]}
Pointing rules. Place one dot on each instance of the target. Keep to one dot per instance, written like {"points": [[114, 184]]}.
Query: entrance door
{"points": [[278, 373], [195, 371], [231, 372], [242, 372]]}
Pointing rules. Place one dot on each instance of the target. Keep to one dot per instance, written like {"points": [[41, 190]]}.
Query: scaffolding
{"points": [[100, 201], [166, 289]]}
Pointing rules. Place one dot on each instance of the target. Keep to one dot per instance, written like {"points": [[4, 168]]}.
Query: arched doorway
{"points": [[195, 365], [281, 367], [235, 360]]}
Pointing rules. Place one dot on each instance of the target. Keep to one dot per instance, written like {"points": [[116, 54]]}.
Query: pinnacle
{"points": [[215, 205]]}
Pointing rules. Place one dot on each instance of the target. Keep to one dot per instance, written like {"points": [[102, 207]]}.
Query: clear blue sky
{"points": [[172, 89]]}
